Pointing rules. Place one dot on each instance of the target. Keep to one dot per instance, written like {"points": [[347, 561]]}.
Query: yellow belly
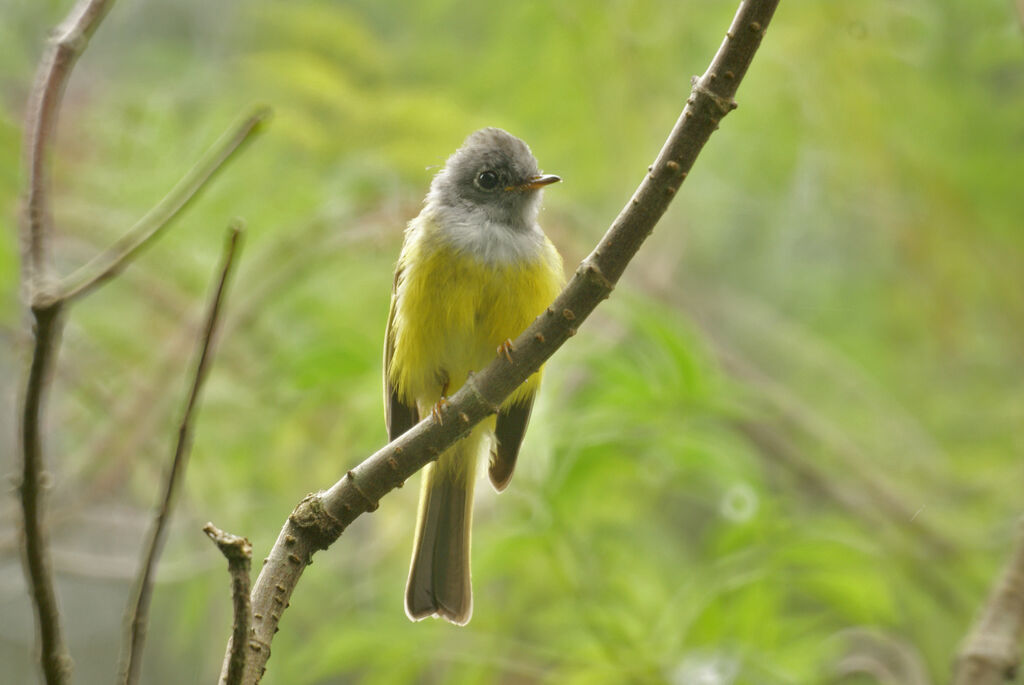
{"points": [[454, 310]]}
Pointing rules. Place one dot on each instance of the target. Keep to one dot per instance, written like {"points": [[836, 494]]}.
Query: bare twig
{"points": [[68, 43], [991, 653], [321, 517], [238, 552], [108, 264], [66, 46], [56, 661], [137, 615]]}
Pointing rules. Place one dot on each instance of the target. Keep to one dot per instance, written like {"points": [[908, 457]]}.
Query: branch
{"points": [[110, 263], [321, 517], [238, 552], [56, 661], [137, 615], [67, 45], [991, 652]]}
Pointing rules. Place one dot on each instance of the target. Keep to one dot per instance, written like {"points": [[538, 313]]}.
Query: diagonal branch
{"points": [[238, 552], [321, 517], [108, 264], [68, 43], [137, 616], [991, 653]]}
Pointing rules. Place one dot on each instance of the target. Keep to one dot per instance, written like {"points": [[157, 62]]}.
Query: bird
{"points": [[474, 271]]}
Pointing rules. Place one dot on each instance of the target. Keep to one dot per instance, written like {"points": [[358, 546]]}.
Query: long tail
{"points": [[439, 578]]}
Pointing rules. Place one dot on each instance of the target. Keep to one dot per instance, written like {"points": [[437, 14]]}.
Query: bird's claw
{"points": [[505, 350], [439, 407]]}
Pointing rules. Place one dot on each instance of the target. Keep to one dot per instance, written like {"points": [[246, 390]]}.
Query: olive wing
{"points": [[508, 433], [398, 415]]}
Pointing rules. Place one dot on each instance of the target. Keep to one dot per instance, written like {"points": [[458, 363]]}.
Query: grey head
{"points": [[493, 177]]}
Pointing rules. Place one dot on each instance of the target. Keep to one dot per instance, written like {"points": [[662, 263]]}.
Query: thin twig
{"points": [[67, 45], [238, 552], [109, 263], [991, 653], [137, 615], [321, 517]]}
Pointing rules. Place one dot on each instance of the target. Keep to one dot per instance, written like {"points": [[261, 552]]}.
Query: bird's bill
{"points": [[535, 182]]}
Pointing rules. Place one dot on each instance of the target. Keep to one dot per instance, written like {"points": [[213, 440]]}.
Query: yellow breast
{"points": [[454, 309]]}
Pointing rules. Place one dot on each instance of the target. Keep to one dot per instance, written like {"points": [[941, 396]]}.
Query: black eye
{"points": [[488, 180]]}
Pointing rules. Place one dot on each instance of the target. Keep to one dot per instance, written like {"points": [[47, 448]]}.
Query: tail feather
{"points": [[439, 577]]}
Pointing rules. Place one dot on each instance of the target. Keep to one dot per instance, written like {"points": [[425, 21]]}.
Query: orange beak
{"points": [[536, 182]]}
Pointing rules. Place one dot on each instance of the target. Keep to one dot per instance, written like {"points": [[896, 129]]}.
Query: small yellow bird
{"points": [[474, 272]]}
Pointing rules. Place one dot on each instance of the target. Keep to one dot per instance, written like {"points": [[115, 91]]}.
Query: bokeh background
{"points": [[787, 450]]}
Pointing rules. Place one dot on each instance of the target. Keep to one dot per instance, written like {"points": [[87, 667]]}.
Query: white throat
{"points": [[474, 231]]}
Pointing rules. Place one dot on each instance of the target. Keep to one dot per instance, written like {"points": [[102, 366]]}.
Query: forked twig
{"points": [[46, 295], [68, 43], [108, 264]]}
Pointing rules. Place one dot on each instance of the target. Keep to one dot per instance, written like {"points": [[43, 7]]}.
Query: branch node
{"points": [[315, 521], [257, 645], [723, 105], [371, 504], [589, 269]]}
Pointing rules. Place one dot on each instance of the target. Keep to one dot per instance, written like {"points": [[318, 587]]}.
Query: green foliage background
{"points": [[791, 436]]}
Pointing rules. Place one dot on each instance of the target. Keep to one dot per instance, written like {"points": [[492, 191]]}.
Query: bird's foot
{"points": [[505, 350], [439, 407]]}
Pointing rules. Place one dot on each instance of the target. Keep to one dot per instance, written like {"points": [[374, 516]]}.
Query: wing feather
{"points": [[398, 415], [508, 432]]}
